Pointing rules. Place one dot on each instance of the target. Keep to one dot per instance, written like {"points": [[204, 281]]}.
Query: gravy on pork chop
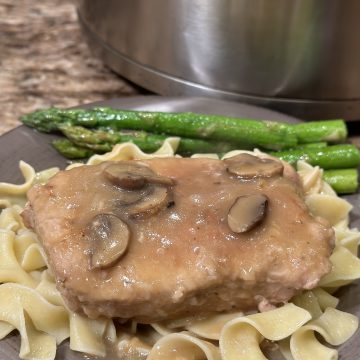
{"points": [[164, 238]]}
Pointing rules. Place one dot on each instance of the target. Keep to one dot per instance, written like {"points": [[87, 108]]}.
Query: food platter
{"points": [[25, 144]]}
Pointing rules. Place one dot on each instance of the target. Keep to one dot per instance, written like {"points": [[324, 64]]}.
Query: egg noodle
{"points": [[31, 304]]}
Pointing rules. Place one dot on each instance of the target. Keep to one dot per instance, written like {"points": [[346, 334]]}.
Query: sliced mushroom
{"points": [[247, 166], [247, 212], [241, 157], [160, 180], [129, 197], [134, 176], [108, 238], [128, 175], [151, 203]]}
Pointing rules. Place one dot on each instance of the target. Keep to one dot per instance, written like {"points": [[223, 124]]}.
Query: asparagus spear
{"points": [[66, 148], [330, 157], [246, 134], [343, 181], [103, 141], [316, 145], [332, 131]]}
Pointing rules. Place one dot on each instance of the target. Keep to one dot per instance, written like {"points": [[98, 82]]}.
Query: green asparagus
{"points": [[343, 181], [103, 141], [203, 133], [316, 145], [66, 148], [246, 134], [332, 131], [330, 157]]}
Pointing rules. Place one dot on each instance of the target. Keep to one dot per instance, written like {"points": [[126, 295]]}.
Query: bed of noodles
{"points": [[30, 303]]}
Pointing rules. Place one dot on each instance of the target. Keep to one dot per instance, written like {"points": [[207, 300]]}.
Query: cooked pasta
{"points": [[240, 338], [333, 325], [183, 345], [31, 304]]}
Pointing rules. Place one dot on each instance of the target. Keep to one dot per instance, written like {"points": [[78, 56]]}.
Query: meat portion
{"points": [[160, 243]]}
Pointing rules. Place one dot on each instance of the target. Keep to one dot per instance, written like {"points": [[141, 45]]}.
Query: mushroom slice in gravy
{"points": [[130, 197], [160, 180], [128, 175], [247, 212], [108, 237], [247, 166], [151, 203], [142, 191], [132, 176]]}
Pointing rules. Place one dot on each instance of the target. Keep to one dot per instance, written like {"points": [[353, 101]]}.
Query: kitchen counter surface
{"points": [[45, 62]]}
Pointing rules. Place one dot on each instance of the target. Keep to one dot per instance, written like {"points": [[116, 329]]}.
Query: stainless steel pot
{"points": [[301, 57]]}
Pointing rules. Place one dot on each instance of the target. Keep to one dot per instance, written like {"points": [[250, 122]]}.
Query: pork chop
{"points": [[159, 239]]}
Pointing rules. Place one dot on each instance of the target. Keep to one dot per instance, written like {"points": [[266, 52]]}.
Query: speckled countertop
{"points": [[45, 62]]}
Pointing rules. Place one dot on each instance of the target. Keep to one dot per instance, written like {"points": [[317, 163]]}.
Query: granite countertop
{"points": [[44, 61]]}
